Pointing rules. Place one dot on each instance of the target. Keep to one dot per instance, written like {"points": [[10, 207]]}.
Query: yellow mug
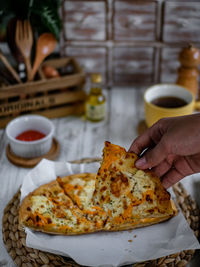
{"points": [[154, 112]]}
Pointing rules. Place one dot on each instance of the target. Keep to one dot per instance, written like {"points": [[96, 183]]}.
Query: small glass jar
{"points": [[95, 106]]}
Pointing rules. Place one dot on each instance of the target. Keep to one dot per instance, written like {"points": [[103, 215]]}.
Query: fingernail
{"points": [[141, 162]]}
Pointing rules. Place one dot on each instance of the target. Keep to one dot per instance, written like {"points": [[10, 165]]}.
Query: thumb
{"points": [[152, 157]]}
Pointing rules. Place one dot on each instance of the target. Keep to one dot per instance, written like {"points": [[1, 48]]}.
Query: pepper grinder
{"points": [[189, 58]]}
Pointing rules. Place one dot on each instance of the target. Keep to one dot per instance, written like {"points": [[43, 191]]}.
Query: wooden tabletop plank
{"points": [[124, 116]]}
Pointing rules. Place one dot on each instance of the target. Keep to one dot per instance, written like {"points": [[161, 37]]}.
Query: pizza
{"points": [[63, 207], [118, 197], [132, 198]]}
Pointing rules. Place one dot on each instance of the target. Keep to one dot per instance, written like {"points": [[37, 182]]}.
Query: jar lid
{"points": [[96, 78]]}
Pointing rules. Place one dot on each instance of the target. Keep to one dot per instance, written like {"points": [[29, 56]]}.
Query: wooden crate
{"points": [[55, 97]]}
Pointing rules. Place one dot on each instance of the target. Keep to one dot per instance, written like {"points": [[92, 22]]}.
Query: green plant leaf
{"points": [[48, 18], [43, 14]]}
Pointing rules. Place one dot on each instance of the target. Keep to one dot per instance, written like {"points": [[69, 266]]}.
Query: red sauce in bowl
{"points": [[30, 135]]}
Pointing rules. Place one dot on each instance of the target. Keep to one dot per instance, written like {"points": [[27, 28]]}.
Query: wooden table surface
{"points": [[79, 139]]}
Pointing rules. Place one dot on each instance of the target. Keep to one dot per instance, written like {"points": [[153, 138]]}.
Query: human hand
{"points": [[172, 148]]}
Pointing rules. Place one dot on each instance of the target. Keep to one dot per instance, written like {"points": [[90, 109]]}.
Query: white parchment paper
{"points": [[106, 248]]}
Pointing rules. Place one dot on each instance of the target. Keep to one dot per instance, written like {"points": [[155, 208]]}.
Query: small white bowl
{"points": [[30, 149]]}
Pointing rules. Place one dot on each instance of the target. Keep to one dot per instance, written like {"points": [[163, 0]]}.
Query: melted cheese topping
{"points": [[135, 198], [43, 206], [84, 192]]}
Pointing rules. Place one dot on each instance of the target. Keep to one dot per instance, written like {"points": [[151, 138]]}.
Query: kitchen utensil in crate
{"points": [[24, 41], [9, 67], [46, 44]]}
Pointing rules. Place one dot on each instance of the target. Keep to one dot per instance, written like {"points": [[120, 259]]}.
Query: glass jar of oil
{"points": [[95, 106]]}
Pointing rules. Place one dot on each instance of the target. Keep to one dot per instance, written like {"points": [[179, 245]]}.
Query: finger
{"points": [[162, 168], [148, 139], [153, 157], [140, 143], [171, 178]]}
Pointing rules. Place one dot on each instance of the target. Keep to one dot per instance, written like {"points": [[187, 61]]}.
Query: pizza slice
{"points": [[49, 209], [80, 189], [132, 198]]}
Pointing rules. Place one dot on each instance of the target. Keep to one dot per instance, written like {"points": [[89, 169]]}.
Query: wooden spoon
{"points": [[46, 44]]}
